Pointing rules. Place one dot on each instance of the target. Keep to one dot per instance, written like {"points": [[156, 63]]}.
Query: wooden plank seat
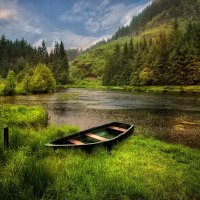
{"points": [[117, 128], [96, 137], [77, 142]]}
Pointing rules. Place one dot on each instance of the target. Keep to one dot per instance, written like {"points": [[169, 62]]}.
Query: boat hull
{"points": [[106, 135]]}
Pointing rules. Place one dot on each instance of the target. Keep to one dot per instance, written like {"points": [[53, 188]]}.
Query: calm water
{"points": [[88, 108]]}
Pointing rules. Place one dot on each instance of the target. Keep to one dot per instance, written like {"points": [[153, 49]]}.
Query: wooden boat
{"points": [[107, 135]]}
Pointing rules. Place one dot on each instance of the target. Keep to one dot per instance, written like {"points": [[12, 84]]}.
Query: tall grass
{"points": [[139, 167], [22, 116]]}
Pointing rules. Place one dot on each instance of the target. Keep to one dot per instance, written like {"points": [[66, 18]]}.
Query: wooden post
{"points": [[6, 138]]}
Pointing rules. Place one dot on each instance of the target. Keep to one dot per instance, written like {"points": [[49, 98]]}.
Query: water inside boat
{"points": [[100, 135], [97, 136]]}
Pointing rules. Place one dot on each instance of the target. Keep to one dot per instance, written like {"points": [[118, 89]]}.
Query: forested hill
{"points": [[161, 11], [165, 50]]}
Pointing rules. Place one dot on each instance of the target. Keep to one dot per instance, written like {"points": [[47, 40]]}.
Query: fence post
{"points": [[6, 138]]}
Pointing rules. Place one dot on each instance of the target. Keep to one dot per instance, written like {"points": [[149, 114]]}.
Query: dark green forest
{"points": [[32, 69], [169, 60]]}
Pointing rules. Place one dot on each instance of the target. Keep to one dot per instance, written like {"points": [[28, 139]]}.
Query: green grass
{"points": [[96, 84], [186, 89], [22, 116], [137, 168]]}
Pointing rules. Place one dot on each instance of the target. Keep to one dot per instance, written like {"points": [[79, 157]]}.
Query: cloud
{"points": [[70, 18], [26, 23], [18, 18], [97, 19], [5, 14], [106, 16], [76, 40]]}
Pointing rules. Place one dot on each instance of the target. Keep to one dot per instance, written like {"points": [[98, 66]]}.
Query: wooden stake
{"points": [[6, 138]]}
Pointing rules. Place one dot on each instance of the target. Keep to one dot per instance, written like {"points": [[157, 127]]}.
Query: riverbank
{"points": [[139, 167], [158, 89], [97, 85]]}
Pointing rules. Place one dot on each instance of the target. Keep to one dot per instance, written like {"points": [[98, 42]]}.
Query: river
{"points": [[172, 117]]}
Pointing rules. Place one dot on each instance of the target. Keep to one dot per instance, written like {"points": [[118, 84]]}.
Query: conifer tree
{"points": [[43, 52], [113, 67], [131, 49]]}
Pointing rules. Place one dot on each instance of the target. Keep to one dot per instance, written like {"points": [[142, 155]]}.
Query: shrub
{"points": [[9, 88], [42, 80]]}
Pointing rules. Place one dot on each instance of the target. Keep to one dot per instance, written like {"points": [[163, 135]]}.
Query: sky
{"points": [[78, 23]]}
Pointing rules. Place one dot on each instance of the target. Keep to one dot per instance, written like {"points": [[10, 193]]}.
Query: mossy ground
{"points": [[139, 167]]}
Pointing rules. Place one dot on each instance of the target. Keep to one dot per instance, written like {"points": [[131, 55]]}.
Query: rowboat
{"points": [[107, 135]]}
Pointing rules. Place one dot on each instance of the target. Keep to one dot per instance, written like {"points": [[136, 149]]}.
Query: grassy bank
{"points": [[159, 89], [98, 85], [22, 116], [137, 168]]}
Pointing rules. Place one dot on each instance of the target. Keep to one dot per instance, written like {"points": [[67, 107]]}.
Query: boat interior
{"points": [[98, 135]]}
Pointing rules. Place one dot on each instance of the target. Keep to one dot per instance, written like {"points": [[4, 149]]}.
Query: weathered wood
{"points": [[96, 137], [77, 142], [83, 139], [6, 138], [117, 128]]}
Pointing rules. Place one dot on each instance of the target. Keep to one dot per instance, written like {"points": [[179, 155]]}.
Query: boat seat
{"points": [[96, 137], [118, 128], [75, 141]]}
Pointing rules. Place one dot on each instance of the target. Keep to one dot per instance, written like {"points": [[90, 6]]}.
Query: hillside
{"points": [[159, 12], [155, 24], [92, 62]]}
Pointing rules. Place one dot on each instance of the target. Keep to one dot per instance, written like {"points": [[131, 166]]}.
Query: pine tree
{"points": [[112, 69], [56, 49], [43, 52], [59, 63], [124, 78], [62, 53], [131, 49]]}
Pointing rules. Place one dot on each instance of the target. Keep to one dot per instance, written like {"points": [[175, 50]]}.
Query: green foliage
{"points": [[42, 52], [22, 116], [9, 87], [113, 68], [73, 53], [171, 59], [20, 57], [59, 64], [146, 76], [1, 86], [97, 84], [41, 81]]}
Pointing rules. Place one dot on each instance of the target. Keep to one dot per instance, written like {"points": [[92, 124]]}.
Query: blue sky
{"points": [[78, 23]]}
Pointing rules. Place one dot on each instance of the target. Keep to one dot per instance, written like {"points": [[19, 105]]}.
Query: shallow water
{"points": [[169, 115]]}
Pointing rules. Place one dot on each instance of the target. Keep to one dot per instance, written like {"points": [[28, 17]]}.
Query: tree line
{"points": [[22, 64], [168, 60], [162, 10]]}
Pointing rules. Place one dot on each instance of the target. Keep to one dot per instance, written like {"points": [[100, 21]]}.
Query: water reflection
{"points": [[88, 108]]}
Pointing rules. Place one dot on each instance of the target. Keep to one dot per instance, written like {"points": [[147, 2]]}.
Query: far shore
{"points": [[95, 85], [158, 89]]}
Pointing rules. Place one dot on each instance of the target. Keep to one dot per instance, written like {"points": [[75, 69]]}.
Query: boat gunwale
{"points": [[89, 130]]}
